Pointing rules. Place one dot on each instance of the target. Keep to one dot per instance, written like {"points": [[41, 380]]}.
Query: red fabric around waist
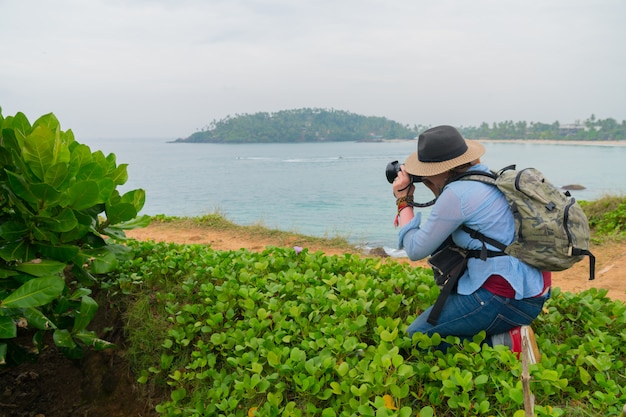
{"points": [[496, 284]]}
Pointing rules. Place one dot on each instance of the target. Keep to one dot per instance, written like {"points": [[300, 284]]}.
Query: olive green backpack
{"points": [[551, 229]]}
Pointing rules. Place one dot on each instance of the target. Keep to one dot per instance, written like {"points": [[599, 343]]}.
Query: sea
{"points": [[327, 189]]}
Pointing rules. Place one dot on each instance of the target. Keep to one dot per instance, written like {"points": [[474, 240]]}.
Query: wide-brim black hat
{"points": [[441, 149]]}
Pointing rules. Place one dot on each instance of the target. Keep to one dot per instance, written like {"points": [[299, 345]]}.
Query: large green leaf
{"points": [[37, 151], [100, 260], [83, 276], [90, 172], [80, 156], [18, 250], [33, 293], [120, 174], [49, 125], [91, 339], [85, 313], [48, 121], [135, 197], [87, 217], [42, 233], [5, 157], [46, 195], [63, 338], [36, 319], [138, 222], [107, 187], [6, 273], [100, 159], [19, 166], [83, 195], [79, 293], [85, 224], [120, 212], [93, 239], [21, 188], [19, 124], [10, 143], [56, 174], [115, 233], [41, 267], [64, 221], [121, 252], [8, 329], [63, 253], [13, 230]]}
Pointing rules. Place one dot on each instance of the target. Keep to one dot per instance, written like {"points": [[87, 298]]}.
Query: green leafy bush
{"points": [[607, 215], [295, 333], [58, 202]]}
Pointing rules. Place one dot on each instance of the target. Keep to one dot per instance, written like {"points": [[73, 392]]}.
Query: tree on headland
{"points": [[300, 125]]}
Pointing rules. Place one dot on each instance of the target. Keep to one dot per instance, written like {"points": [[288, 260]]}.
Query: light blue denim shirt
{"points": [[481, 207]]}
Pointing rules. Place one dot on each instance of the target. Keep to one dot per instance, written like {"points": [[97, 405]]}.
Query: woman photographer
{"points": [[500, 295]]}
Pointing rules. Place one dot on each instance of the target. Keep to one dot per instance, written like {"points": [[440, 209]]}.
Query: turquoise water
{"points": [[325, 189]]}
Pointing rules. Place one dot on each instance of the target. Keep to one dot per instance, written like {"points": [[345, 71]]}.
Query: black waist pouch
{"points": [[448, 265]]}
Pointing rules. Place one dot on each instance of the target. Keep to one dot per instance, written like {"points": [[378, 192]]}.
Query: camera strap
{"points": [[420, 205]]}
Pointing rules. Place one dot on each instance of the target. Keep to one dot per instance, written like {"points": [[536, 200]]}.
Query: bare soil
{"points": [[101, 384], [98, 385]]}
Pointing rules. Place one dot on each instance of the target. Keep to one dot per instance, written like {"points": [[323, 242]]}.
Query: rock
{"points": [[378, 252], [573, 187]]}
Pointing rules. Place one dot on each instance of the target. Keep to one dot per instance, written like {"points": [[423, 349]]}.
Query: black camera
{"points": [[392, 172]]}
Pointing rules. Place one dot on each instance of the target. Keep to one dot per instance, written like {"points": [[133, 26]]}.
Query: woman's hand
{"points": [[402, 185]]}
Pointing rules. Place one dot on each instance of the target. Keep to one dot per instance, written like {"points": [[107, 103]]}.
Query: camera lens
{"points": [[391, 171]]}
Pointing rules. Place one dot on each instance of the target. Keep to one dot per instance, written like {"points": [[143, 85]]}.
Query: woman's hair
{"points": [[461, 169]]}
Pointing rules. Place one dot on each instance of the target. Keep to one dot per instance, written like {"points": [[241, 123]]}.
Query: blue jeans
{"points": [[466, 315]]}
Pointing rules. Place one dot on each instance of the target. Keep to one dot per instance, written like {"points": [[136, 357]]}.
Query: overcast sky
{"points": [[166, 68]]}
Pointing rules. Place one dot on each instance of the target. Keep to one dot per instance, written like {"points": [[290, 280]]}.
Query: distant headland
{"points": [[330, 125]]}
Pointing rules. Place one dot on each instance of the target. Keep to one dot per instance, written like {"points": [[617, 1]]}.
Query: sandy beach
{"points": [[558, 142]]}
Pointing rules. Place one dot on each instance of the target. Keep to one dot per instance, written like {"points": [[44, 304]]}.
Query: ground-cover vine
{"points": [[294, 333]]}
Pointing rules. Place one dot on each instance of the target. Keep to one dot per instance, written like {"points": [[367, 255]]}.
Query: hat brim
{"points": [[414, 166]]}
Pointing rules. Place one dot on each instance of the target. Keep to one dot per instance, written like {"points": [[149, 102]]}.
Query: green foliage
{"points": [[607, 215], [58, 201], [296, 333], [301, 125], [591, 129]]}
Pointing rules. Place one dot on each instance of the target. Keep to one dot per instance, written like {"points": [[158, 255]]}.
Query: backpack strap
{"points": [[486, 178], [484, 253], [481, 176], [592, 260]]}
